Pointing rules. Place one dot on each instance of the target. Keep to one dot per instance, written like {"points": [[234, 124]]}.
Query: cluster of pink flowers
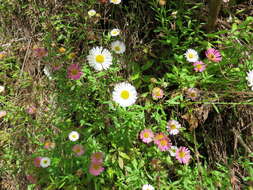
{"points": [[96, 165]]}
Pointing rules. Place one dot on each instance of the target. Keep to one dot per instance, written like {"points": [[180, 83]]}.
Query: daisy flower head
{"points": [[45, 162], [191, 55], [199, 66], [49, 145], [78, 149], [118, 47], [31, 110], [192, 93], [74, 72], [173, 127], [183, 155], [2, 89], [115, 32], [97, 157], [124, 94], [74, 136], [213, 55], [92, 12], [158, 136], [146, 135], [40, 52], [148, 187], [173, 150], [115, 1], [96, 168], [157, 93], [36, 161], [164, 144], [99, 58], [249, 78]]}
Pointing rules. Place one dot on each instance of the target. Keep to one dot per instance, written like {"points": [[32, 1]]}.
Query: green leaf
{"points": [[124, 155], [121, 163]]}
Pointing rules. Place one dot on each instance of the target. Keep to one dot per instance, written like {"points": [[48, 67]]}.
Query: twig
{"points": [[239, 138], [26, 55]]}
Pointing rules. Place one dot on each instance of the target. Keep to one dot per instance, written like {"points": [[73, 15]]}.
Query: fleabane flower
{"points": [[96, 168], [158, 136], [191, 55], [31, 110], [164, 144], [115, 1], [118, 47], [45, 162], [74, 72], [146, 135], [124, 94], [99, 58], [115, 32], [157, 93], [97, 157], [74, 136], [249, 78], [192, 93], [199, 66], [183, 155], [173, 150], [92, 12], [36, 161], [148, 187], [173, 127], [78, 149], [213, 55], [2, 89], [40, 52]]}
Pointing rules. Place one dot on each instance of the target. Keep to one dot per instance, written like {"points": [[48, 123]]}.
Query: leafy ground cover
{"points": [[125, 95]]}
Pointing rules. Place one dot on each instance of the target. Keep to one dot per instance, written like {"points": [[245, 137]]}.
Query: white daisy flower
{"points": [[115, 1], [118, 47], [124, 94], [115, 32], [92, 12], [249, 78], [99, 58], [148, 187], [172, 151], [191, 55], [173, 127], [73, 136], [45, 162], [2, 89]]}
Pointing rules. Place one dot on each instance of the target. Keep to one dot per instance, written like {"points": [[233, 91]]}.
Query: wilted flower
{"points": [[157, 93], [36, 161], [40, 52], [62, 50], [173, 127], [78, 149], [31, 179], [213, 55], [249, 78], [183, 155], [31, 109], [56, 66], [2, 54], [192, 93], [74, 72], [118, 47], [162, 2], [199, 66], [96, 168], [146, 135], [49, 145]]}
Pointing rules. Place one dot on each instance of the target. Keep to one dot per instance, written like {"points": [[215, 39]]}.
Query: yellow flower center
{"points": [[190, 55], [124, 94], [100, 59], [74, 72], [181, 154], [163, 142], [173, 126], [45, 161], [114, 1], [193, 94], [158, 137], [146, 135], [74, 136], [96, 166], [98, 156], [199, 66], [117, 48]]}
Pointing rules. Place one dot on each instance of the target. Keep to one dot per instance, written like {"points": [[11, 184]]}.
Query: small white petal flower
{"points": [[191, 55], [124, 94], [99, 58], [173, 127], [249, 78], [73, 136], [45, 162], [172, 151], [115, 1], [115, 32], [148, 187], [2, 89], [118, 47], [92, 12], [48, 72]]}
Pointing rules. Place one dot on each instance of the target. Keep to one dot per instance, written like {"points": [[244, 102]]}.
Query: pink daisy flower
{"points": [[164, 144], [31, 110], [173, 127], [78, 149], [146, 135], [213, 55], [40, 52], [199, 66], [97, 157], [74, 72], [56, 67], [36, 162], [158, 137], [157, 93], [192, 93], [2, 113], [96, 168], [183, 155]]}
